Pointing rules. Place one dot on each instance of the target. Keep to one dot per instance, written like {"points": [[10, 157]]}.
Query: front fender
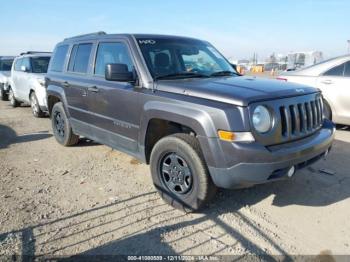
{"points": [[58, 92], [195, 118]]}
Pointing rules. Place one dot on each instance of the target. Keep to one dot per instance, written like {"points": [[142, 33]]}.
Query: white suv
{"points": [[28, 81]]}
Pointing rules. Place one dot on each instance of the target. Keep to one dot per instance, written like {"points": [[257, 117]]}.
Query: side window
{"points": [[347, 69], [335, 71], [112, 53], [18, 64], [26, 63], [57, 62], [79, 61]]}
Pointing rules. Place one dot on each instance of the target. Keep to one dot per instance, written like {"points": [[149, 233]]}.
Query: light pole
{"points": [[348, 46]]}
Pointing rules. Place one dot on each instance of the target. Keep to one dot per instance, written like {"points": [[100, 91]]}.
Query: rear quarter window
{"points": [[80, 56], [58, 59]]}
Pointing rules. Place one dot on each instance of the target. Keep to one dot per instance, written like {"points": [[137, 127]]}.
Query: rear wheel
{"points": [[61, 127], [13, 101], [180, 174], [37, 112], [3, 95]]}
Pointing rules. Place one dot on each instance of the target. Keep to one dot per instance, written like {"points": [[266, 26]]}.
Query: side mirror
{"points": [[24, 68], [118, 72]]}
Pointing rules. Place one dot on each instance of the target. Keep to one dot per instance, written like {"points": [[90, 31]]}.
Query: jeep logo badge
{"points": [[300, 90]]}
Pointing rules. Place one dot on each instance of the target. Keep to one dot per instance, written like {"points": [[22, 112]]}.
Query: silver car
{"points": [[332, 77], [28, 81]]}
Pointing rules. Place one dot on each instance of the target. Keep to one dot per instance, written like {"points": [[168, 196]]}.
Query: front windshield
{"points": [[182, 57], [40, 64], [6, 64]]}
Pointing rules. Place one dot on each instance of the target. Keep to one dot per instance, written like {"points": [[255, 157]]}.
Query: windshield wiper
{"points": [[181, 75], [224, 73]]}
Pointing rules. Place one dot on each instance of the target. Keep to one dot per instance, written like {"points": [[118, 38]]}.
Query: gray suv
{"points": [[177, 104]]}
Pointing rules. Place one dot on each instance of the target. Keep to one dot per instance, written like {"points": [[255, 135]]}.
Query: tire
{"points": [[13, 101], [3, 95], [189, 187], [61, 127], [37, 112], [327, 111]]}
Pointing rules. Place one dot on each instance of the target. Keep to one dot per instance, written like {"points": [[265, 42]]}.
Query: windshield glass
{"points": [[5, 65], [181, 57], [40, 64]]}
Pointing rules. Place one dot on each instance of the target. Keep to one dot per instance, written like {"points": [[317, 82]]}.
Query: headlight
{"points": [[262, 120]]}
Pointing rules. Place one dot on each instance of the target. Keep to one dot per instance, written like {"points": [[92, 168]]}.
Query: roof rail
{"points": [[34, 52], [91, 34]]}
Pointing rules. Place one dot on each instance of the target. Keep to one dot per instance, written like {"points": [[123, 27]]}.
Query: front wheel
{"points": [[180, 174], [36, 110], [61, 127], [13, 101]]}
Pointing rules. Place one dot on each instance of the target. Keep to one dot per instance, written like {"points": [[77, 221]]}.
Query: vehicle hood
{"points": [[239, 91], [5, 73]]}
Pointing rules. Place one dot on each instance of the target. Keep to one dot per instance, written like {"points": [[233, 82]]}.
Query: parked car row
{"points": [[23, 80], [177, 104]]}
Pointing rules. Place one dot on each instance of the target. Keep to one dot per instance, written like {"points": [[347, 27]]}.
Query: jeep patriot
{"points": [[177, 104]]}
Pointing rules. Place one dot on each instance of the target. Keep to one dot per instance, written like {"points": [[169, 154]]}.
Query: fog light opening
{"points": [[291, 171]]}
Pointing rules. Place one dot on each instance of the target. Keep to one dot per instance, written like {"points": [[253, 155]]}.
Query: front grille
{"points": [[294, 118], [301, 119]]}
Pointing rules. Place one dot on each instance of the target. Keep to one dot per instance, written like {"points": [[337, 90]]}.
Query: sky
{"points": [[236, 28]]}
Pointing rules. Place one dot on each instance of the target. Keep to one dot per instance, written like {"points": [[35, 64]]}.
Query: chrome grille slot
{"points": [[284, 122], [308, 116]]}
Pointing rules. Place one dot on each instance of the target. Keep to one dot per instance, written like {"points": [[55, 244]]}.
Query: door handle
{"points": [[327, 82], [93, 89], [66, 84]]}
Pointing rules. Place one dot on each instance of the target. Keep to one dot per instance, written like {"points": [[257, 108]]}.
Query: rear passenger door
{"points": [[115, 105], [76, 82]]}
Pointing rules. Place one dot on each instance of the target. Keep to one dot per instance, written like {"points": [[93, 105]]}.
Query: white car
{"points": [[28, 81], [5, 72], [332, 77]]}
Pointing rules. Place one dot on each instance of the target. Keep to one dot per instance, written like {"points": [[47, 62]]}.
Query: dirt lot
{"points": [[89, 199]]}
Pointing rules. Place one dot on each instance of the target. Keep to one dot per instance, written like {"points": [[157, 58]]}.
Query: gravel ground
{"points": [[90, 199]]}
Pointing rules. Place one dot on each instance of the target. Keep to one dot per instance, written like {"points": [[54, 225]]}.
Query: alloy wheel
{"points": [[176, 174], [59, 124]]}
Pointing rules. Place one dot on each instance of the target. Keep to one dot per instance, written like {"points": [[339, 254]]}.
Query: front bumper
{"points": [[259, 164]]}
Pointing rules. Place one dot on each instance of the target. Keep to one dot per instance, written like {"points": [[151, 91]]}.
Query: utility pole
{"points": [[348, 46]]}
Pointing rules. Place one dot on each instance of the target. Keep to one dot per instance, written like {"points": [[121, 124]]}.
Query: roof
{"points": [[35, 53], [315, 70], [103, 35], [6, 57]]}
